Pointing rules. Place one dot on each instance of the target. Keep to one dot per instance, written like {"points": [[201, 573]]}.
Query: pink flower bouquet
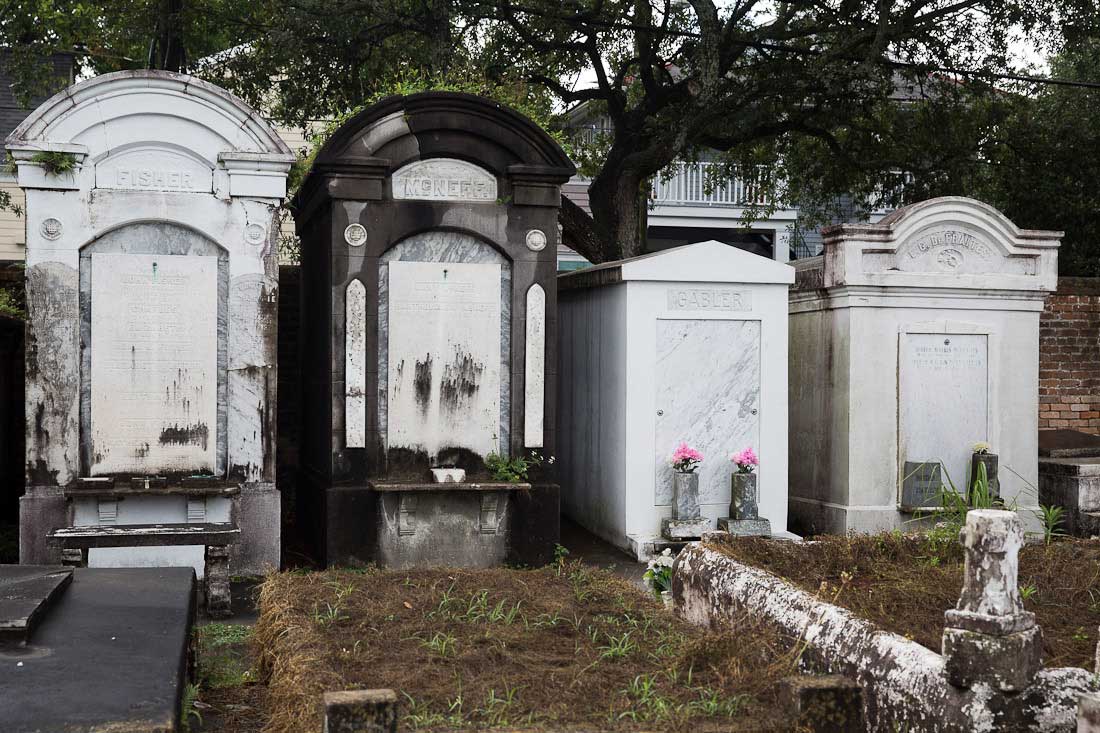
{"points": [[685, 459], [746, 461]]}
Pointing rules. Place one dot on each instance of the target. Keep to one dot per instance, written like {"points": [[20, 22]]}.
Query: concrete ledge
{"points": [[904, 684]]}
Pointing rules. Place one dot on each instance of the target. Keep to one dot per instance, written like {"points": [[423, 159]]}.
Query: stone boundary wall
{"points": [[1069, 357], [904, 684]]}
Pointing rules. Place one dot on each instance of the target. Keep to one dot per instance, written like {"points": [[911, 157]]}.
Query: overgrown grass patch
{"points": [[561, 648], [905, 582]]}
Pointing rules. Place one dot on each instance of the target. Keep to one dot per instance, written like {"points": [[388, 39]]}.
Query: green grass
{"points": [[222, 655]]}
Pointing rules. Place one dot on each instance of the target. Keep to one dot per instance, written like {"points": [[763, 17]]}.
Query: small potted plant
{"points": [[685, 503], [658, 576], [743, 492], [984, 461]]}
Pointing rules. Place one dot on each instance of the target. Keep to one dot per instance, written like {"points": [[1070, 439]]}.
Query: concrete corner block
{"points": [[824, 703], [361, 711], [1088, 713], [1008, 663]]}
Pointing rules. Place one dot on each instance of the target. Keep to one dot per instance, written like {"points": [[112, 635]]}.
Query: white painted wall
{"points": [[608, 383]]}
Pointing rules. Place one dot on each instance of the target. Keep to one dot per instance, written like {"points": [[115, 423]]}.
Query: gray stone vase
{"points": [[744, 502], [685, 503], [990, 461]]}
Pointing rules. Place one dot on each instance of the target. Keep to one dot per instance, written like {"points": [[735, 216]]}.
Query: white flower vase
{"points": [[666, 598]]}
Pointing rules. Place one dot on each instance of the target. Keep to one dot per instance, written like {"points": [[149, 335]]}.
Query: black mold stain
{"points": [[196, 434], [142, 451], [461, 380], [422, 382]]}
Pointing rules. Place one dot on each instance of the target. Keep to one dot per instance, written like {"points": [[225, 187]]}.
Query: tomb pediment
{"points": [[946, 242]]}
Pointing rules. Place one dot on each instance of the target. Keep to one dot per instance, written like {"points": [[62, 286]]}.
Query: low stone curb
{"points": [[905, 685]]}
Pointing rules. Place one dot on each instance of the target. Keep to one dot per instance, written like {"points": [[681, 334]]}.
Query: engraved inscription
{"points": [[949, 238], [708, 299], [154, 347], [444, 356], [158, 180], [444, 179]]}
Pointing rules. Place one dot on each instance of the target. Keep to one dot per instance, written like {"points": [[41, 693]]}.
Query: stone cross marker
{"points": [[989, 636]]}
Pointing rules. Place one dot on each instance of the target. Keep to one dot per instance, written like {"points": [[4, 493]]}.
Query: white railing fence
{"points": [[693, 184]]}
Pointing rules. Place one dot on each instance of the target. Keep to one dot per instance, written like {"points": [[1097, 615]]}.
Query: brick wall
{"points": [[1069, 357]]}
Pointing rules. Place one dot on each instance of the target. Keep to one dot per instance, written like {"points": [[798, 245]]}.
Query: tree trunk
{"points": [[168, 52], [617, 200]]}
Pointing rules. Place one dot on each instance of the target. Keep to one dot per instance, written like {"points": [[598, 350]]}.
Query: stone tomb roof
{"points": [[709, 261], [948, 242]]}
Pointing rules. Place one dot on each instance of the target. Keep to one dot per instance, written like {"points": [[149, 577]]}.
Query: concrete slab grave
{"points": [[429, 228], [109, 654], [911, 340], [152, 288], [684, 345]]}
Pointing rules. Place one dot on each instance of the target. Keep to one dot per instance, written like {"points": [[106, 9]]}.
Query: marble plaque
{"points": [[444, 356], [943, 399], [154, 355], [708, 394], [355, 365], [534, 373], [444, 179]]}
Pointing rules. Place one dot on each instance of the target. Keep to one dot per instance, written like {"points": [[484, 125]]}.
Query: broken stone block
{"points": [[824, 703], [684, 529], [989, 636], [361, 711], [745, 527], [219, 597]]}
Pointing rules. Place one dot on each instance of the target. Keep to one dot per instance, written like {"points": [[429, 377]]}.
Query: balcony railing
{"points": [[694, 184]]}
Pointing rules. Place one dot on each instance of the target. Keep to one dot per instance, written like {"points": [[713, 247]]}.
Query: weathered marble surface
{"points": [[355, 365], [446, 246], [708, 385], [154, 343], [443, 357], [943, 399], [534, 369]]}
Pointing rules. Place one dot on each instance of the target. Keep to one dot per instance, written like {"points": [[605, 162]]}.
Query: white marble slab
{"points": [[943, 399], [443, 361], [355, 365], [707, 394], [534, 370], [154, 342]]}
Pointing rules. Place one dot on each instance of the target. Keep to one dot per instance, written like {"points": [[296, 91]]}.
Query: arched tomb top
{"points": [[152, 130], [947, 242], [442, 124]]}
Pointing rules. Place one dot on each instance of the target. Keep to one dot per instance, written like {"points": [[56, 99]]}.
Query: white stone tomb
{"points": [[152, 289], [912, 340], [687, 344]]}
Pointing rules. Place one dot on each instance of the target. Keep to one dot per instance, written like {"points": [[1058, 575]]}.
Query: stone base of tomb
{"points": [[406, 525], [685, 529], [1008, 663], [745, 527]]}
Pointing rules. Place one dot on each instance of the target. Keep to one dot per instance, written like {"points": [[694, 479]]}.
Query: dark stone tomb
{"points": [[429, 228]]}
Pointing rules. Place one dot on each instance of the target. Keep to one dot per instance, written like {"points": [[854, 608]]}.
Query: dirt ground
{"points": [[904, 583], [563, 648]]}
